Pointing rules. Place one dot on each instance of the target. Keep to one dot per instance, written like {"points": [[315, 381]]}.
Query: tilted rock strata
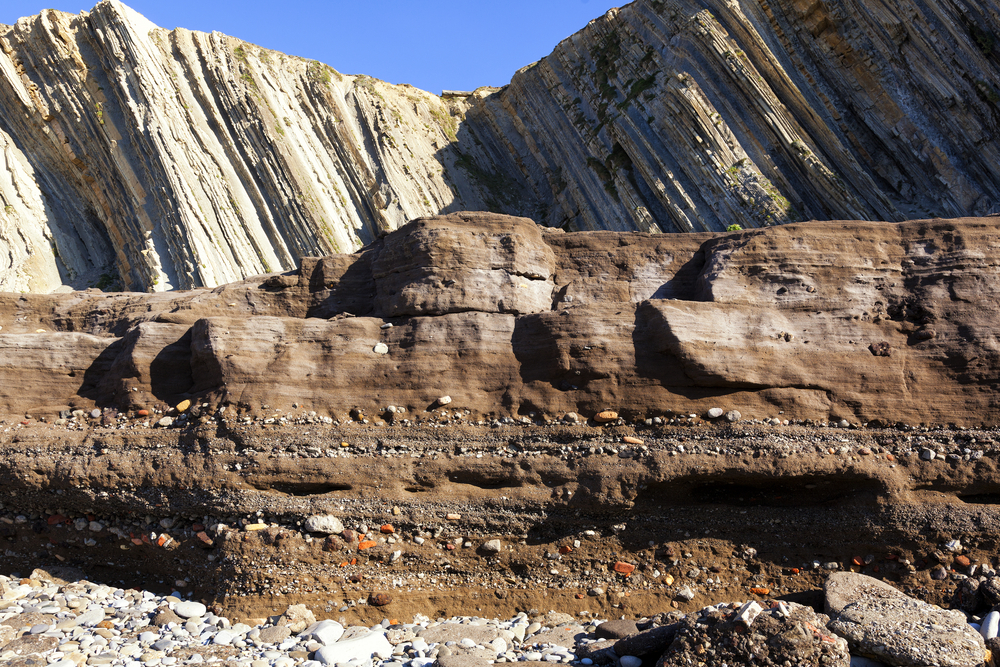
{"points": [[154, 159], [692, 115], [833, 320], [161, 159]]}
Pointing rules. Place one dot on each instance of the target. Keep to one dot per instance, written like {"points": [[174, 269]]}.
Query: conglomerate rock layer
{"points": [[826, 321], [153, 159]]}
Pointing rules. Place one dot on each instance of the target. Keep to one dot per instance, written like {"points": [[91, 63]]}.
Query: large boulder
{"points": [[784, 634], [881, 622], [462, 262]]}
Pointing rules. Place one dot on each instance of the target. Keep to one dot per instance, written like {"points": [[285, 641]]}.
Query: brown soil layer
{"points": [[690, 503]]}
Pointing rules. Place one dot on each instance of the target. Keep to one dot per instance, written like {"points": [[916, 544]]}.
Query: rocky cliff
{"points": [[149, 159], [818, 321]]}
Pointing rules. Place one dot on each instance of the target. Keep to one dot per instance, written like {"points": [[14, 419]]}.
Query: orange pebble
{"points": [[622, 567], [367, 544], [565, 550], [760, 591], [387, 529]]}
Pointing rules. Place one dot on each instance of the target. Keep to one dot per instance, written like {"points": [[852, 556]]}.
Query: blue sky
{"points": [[434, 44]]}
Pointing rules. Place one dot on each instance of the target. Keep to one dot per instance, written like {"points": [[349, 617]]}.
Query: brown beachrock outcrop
{"points": [[529, 320]]}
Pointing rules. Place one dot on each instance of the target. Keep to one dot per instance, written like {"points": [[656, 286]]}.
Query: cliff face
{"points": [[691, 115], [164, 159], [150, 159], [833, 320]]}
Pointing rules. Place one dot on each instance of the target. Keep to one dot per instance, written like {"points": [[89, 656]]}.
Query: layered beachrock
{"points": [[842, 321]]}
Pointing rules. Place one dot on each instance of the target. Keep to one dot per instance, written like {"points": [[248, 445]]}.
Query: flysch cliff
{"points": [[823, 320], [147, 159]]}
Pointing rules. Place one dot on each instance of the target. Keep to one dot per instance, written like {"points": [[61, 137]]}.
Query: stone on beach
{"points": [[188, 609], [358, 648], [881, 622]]}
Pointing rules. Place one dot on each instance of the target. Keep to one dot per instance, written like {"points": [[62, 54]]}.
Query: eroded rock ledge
{"points": [[835, 320]]}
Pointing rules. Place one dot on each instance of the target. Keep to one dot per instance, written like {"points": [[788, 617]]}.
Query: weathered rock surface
{"points": [[154, 159], [793, 634], [782, 319], [151, 159], [883, 623]]}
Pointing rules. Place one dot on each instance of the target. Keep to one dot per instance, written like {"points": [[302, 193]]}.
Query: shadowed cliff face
{"points": [[152, 159]]}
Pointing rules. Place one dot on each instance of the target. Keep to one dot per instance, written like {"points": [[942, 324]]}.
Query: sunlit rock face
{"points": [[136, 157]]}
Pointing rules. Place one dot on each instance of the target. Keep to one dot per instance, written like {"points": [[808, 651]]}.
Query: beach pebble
{"points": [[188, 609]]}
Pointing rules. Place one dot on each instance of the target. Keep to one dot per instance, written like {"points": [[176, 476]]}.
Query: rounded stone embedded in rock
{"points": [[605, 416], [733, 416], [183, 405], [381, 348], [379, 599], [714, 413], [444, 400], [492, 546], [630, 661], [190, 609], [324, 523]]}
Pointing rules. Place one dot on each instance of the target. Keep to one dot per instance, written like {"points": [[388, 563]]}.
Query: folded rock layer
{"points": [[823, 320], [153, 159]]}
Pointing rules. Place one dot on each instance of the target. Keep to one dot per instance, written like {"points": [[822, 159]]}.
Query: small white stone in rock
{"points": [[492, 546], [748, 613], [381, 348], [444, 400], [714, 413], [324, 523]]}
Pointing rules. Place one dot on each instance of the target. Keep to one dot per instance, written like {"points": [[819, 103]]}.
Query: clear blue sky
{"points": [[431, 44]]}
